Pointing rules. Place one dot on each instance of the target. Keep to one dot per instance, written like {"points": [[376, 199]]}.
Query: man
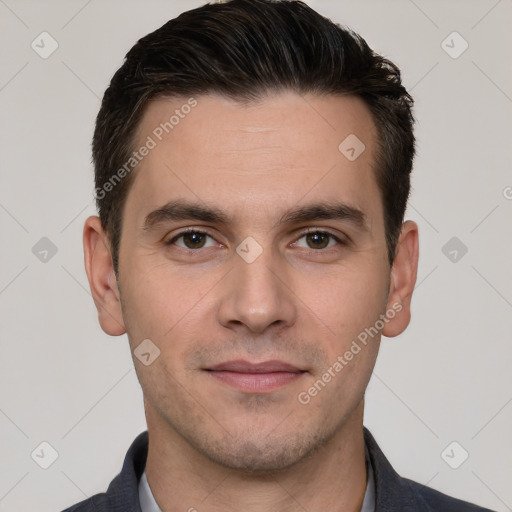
{"points": [[252, 168]]}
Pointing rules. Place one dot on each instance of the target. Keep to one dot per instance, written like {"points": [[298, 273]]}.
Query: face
{"points": [[253, 256]]}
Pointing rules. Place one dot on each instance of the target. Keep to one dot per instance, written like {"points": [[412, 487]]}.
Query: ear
{"points": [[403, 280], [102, 279]]}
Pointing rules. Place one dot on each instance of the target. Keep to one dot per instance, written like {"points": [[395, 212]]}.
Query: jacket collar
{"points": [[123, 491], [392, 492]]}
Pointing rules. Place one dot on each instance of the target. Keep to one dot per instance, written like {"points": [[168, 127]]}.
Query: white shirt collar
{"points": [[369, 495], [146, 498]]}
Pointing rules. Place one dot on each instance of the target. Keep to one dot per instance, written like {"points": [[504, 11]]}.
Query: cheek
{"points": [[347, 302], [150, 301], [167, 306]]}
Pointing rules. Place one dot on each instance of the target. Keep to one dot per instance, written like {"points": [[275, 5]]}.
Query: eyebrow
{"points": [[186, 210]]}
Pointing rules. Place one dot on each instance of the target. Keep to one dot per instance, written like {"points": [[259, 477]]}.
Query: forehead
{"points": [[262, 154]]}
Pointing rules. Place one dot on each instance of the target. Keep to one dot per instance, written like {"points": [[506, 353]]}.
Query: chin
{"points": [[262, 454]]}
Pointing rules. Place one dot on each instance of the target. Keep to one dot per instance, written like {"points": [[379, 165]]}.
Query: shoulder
{"points": [[122, 493], [435, 500], [393, 492], [96, 503]]}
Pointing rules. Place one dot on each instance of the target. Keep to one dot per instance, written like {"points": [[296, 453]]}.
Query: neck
{"points": [[332, 478]]}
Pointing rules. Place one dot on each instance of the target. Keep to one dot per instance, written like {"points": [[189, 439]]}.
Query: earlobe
{"points": [[102, 280], [403, 280]]}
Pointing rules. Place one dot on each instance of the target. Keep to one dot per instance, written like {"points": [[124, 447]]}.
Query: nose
{"points": [[257, 295]]}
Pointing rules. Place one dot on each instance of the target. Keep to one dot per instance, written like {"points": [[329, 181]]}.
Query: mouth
{"points": [[261, 377]]}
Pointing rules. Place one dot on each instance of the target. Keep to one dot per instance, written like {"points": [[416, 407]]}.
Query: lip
{"points": [[241, 366], [261, 377]]}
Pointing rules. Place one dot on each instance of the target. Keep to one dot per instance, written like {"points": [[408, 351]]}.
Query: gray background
{"points": [[447, 378]]}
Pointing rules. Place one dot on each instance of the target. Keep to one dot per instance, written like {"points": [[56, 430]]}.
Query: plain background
{"points": [[447, 378]]}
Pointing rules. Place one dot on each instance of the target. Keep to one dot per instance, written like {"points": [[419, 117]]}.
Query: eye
{"points": [[191, 239], [319, 240]]}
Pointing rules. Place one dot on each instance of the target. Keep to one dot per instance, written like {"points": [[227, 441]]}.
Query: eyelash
{"points": [[305, 233]]}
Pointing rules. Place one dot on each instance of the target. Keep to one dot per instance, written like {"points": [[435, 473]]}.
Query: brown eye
{"points": [[194, 240], [319, 240], [191, 239]]}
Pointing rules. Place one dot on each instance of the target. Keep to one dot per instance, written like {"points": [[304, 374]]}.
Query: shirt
{"points": [[149, 504], [392, 493]]}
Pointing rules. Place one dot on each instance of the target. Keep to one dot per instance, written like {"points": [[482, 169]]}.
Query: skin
{"points": [[303, 300]]}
